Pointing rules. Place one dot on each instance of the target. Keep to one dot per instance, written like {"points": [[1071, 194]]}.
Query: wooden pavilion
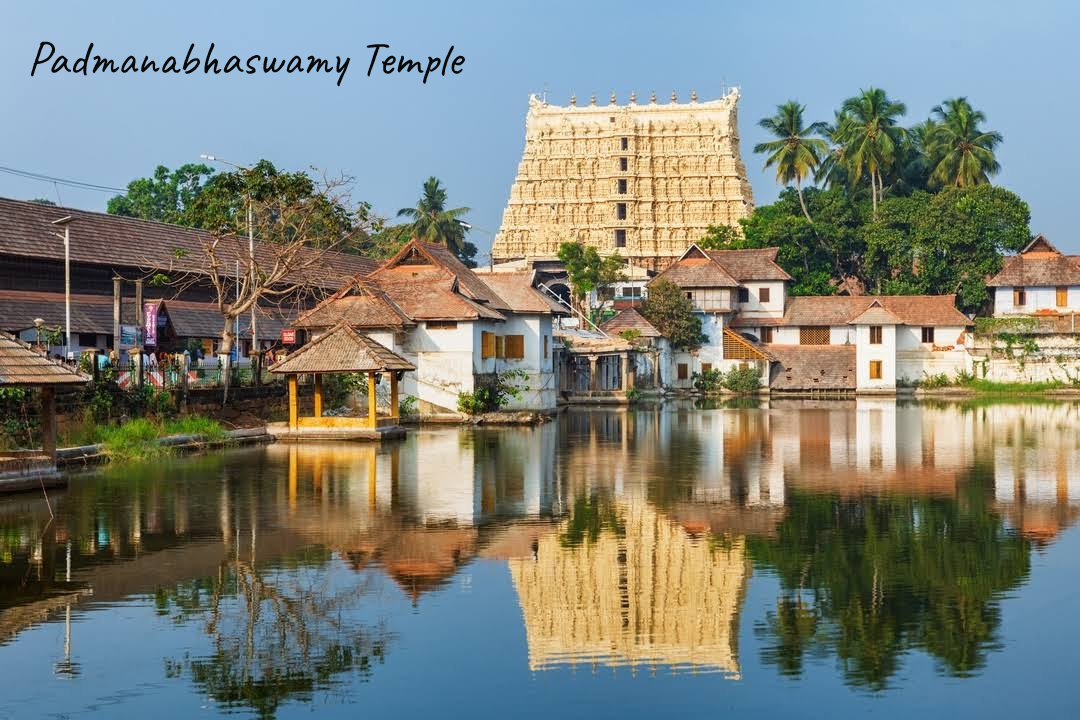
{"points": [[22, 366], [342, 350]]}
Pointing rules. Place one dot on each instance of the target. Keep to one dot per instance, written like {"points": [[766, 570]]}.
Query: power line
{"points": [[61, 181]]}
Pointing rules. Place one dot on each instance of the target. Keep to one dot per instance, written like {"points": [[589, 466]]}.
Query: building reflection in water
{"points": [[630, 535]]}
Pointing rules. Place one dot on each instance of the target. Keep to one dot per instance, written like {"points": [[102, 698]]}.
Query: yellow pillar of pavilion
{"points": [[294, 402], [318, 395], [373, 420]]}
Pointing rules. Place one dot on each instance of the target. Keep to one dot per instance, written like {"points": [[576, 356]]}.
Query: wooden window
{"points": [[624, 164], [763, 294], [620, 211], [546, 350], [744, 295], [690, 296], [487, 345], [620, 238], [814, 335], [684, 371], [441, 324], [622, 186], [87, 339], [500, 346], [767, 334], [706, 367], [624, 143], [875, 334], [1019, 297], [928, 334], [875, 369], [515, 347], [1062, 296]]}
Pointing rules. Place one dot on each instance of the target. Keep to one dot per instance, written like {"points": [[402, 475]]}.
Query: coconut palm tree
{"points": [[795, 154], [432, 222], [832, 170], [964, 152], [871, 137]]}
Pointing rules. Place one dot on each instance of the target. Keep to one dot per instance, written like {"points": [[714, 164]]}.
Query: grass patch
{"points": [[1016, 388], [138, 439]]}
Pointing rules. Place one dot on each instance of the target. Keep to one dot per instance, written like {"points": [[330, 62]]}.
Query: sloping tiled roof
{"points": [[812, 367], [417, 254], [630, 319], [342, 349], [204, 320], [98, 238], [22, 366], [750, 264], [1038, 265], [360, 303], [517, 291], [915, 310], [695, 272], [89, 313], [429, 292], [876, 314]]}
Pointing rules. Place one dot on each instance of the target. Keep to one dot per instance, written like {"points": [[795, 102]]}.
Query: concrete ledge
{"points": [[282, 433]]}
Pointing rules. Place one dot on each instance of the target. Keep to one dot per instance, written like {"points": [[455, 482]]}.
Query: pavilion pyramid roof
{"points": [[22, 366], [342, 349]]}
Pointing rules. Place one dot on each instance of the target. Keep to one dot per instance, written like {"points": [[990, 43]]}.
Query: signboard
{"points": [[288, 337], [129, 336], [150, 322]]}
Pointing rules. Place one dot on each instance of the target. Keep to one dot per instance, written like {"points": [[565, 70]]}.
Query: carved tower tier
{"points": [[640, 180]]}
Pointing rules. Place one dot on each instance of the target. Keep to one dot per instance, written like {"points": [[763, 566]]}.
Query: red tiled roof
{"points": [[630, 319], [416, 253], [750, 264], [339, 350], [98, 238], [812, 367], [22, 366], [695, 272], [1040, 264], [517, 291], [915, 310], [359, 302]]}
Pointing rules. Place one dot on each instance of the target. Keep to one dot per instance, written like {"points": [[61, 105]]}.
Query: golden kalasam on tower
{"points": [[641, 180]]}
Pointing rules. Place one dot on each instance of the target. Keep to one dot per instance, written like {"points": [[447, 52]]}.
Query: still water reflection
{"points": [[813, 557]]}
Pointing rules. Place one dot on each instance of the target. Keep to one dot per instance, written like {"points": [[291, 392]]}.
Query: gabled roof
{"points": [[1040, 264], [750, 264], [342, 349], [696, 268], [630, 319], [812, 367], [875, 314], [22, 366], [361, 304], [101, 239], [516, 289], [416, 252], [914, 310]]}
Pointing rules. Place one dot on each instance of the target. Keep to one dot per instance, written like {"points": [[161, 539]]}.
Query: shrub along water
{"points": [[139, 439]]}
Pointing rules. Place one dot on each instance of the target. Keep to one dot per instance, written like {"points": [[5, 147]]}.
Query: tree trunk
{"points": [[225, 358], [802, 201], [873, 192]]}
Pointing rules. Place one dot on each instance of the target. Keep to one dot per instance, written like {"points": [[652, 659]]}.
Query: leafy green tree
{"points": [[963, 152], [588, 271], [795, 153], [43, 201], [672, 314], [720, 237], [166, 196], [433, 222], [386, 242], [871, 137]]}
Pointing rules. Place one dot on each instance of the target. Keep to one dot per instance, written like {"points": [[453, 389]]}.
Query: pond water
{"points": [[812, 558]]}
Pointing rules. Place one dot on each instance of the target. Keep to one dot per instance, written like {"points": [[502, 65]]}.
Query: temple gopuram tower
{"points": [[640, 180]]}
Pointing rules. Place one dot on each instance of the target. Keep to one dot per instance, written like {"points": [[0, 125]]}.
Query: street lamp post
{"points": [[65, 222], [251, 247]]}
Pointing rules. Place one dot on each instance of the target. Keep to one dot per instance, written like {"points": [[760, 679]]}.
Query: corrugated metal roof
{"points": [[22, 366], [342, 349]]}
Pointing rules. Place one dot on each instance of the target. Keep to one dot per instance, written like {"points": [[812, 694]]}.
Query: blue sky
{"points": [[1015, 61]]}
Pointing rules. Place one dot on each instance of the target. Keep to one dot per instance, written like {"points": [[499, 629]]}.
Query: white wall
{"points": [[865, 353], [916, 359], [1038, 298], [755, 308], [541, 386]]}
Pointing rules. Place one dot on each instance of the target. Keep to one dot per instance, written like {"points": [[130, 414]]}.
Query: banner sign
{"points": [[129, 336], [150, 320], [288, 337]]}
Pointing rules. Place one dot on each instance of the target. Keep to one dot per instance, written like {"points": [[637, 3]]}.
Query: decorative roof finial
{"points": [[652, 97], [633, 97], [612, 99], [674, 97], [592, 99], [573, 99], [693, 96]]}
